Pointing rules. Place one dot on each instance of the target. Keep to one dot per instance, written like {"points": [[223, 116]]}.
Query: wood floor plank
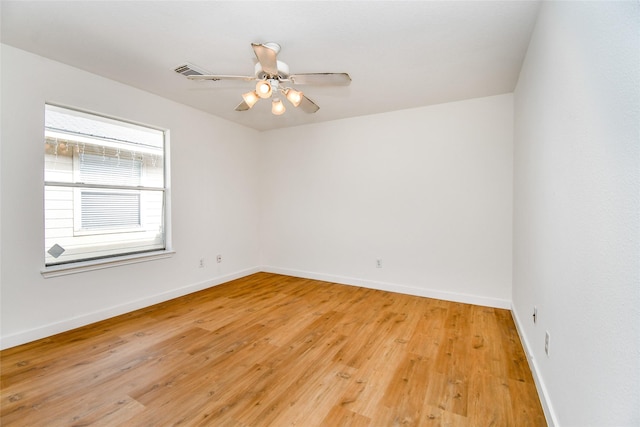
{"points": [[273, 350], [405, 394], [339, 416]]}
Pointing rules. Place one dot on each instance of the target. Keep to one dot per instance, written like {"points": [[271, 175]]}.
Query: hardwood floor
{"points": [[271, 350]]}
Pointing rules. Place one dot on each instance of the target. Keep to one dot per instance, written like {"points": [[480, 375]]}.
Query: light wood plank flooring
{"points": [[272, 350]]}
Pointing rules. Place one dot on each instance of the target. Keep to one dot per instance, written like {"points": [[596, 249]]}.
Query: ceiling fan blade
{"points": [[321, 79], [242, 106], [215, 78], [267, 57], [307, 105]]}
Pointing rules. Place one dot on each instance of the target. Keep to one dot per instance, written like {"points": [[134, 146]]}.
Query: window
{"points": [[105, 187]]}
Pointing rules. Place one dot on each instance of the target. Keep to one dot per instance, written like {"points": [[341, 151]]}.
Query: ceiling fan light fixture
{"points": [[294, 96], [263, 89], [277, 107], [250, 98], [270, 77]]}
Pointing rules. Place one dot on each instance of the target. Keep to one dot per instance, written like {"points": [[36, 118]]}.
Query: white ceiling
{"points": [[399, 54]]}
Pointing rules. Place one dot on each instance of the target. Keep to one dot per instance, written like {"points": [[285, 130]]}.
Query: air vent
{"points": [[190, 70]]}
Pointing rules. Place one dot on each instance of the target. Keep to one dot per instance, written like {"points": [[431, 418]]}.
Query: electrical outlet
{"points": [[219, 259], [201, 265], [379, 263], [547, 338], [535, 314]]}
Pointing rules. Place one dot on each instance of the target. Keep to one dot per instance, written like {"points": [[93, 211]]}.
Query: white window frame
{"points": [[124, 259]]}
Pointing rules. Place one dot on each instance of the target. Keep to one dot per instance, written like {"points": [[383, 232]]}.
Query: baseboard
{"points": [[392, 287], [96, 316], [542, 389]]}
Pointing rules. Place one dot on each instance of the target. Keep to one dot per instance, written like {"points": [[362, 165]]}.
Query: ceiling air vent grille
{"points": [[189, 70]]}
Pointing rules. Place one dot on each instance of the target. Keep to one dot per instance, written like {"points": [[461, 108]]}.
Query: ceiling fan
{"points": [[272, 79]]}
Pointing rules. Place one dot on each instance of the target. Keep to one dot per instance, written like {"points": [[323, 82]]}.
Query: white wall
{"points": [[435, 204], [427, 190], [576, 211], [214, 186]]}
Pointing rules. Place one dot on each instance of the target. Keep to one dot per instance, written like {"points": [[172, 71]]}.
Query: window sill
{"points": [[82, 266]]}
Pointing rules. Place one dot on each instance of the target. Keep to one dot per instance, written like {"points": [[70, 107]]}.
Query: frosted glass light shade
{"points": [[277, 107], [294, 96], [250, 98], [263, 89]]}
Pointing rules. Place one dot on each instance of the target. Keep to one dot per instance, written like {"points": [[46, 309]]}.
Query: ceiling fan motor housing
{"points": [[283, 71]]}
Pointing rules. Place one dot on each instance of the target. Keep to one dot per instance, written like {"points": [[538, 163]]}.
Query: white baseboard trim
{"points": [[96, 316], [549, 413], [392, 287]]}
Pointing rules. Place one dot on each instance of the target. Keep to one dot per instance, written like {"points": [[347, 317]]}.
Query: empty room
{"points": [[320, 213]]}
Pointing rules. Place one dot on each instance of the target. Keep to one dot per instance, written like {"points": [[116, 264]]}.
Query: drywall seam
{"points": [[549, 413], [392, 287], [96, 316]]}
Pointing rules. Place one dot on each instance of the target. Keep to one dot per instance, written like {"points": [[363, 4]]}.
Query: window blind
{"points": [[96, 169], [108, 210]]}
